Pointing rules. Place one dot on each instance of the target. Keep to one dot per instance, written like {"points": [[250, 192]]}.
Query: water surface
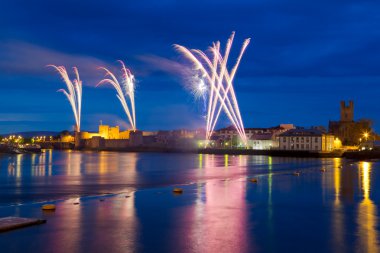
{"points": [[219, 211]]}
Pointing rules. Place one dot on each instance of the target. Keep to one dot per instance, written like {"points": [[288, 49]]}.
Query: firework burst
{"points": [[73, 92], [125, 90], [217, 83]]}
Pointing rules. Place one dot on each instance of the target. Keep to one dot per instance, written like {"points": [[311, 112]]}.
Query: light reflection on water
{"points": [[338, 212], [367, 213], [220, 210]]}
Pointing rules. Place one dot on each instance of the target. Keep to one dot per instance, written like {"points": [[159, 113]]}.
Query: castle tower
{"points": [[347, 111]]}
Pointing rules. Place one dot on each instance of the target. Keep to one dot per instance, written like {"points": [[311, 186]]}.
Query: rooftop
{"points": [[302, 132]]}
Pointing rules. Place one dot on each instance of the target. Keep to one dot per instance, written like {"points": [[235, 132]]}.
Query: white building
{"points": [[263, 141], [229, 133], [306, 140]]}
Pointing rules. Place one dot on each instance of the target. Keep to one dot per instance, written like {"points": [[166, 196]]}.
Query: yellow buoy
{"points": [[48, 207], [253, 180], [178, 190]]}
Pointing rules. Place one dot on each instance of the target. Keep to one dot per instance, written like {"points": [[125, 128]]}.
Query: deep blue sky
{"points": [[304, 57]]}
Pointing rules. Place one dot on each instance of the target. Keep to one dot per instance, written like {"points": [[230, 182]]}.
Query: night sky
{"points": [[304, 57]]}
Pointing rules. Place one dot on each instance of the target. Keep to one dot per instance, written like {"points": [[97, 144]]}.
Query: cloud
{"points": [[21, 58], [166, 65], [22, 117]]}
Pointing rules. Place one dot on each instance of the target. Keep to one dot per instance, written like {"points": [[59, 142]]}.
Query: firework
{"points": [[125, 90], [73, 92], [218, 81]]}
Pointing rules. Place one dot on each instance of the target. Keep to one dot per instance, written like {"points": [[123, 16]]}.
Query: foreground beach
{"points": [[126, 203]]}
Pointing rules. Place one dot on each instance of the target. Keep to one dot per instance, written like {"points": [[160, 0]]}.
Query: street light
{"points": [[366, 134]]}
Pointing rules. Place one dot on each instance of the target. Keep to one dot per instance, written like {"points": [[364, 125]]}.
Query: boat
{"points": [[30, 148], [12, 148]]}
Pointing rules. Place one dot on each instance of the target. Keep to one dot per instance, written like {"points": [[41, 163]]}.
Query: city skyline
{"points": [[302, 61]]}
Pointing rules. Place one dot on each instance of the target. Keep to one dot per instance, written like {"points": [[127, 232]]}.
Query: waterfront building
{"points": [[106, 132], [258, 138], [370, 145], [181, 138], [306, 140], [66, 137], [263, 141], [107, 137]]}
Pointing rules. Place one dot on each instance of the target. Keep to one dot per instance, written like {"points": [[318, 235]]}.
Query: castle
{"points": [[108, 137]]}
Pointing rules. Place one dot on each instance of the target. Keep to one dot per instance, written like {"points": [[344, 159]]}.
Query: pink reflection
{"points": [[224, 167], [110, 225], [93, 226], [219, 218]]}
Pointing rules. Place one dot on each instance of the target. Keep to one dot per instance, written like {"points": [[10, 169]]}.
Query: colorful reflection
{"points": [[42, 163], [219, 218], [89, 226], [214, 214], [112, 221], [73, 163]]}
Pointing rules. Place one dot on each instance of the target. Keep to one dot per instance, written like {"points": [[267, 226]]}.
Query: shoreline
{"points": [[355, 155], [277, 153]]}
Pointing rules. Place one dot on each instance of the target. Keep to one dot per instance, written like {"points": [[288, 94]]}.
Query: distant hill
{"points": [[33, 133]]}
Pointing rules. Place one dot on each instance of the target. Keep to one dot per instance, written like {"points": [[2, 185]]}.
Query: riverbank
{"points": [[357, 155], [363, 155], [277, 153], [19, 149]]}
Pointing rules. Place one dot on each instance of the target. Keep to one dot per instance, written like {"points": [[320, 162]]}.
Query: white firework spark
{"points": [[219, 80], [125, 89], [73, 93]]}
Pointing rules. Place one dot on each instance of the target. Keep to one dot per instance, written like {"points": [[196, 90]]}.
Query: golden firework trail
{"points": [[73, 92], [221, 93], [125, 89]]}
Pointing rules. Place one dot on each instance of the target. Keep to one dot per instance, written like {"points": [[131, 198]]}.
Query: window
{"points": [[316, 139], [298, 146], [316, 147]]}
